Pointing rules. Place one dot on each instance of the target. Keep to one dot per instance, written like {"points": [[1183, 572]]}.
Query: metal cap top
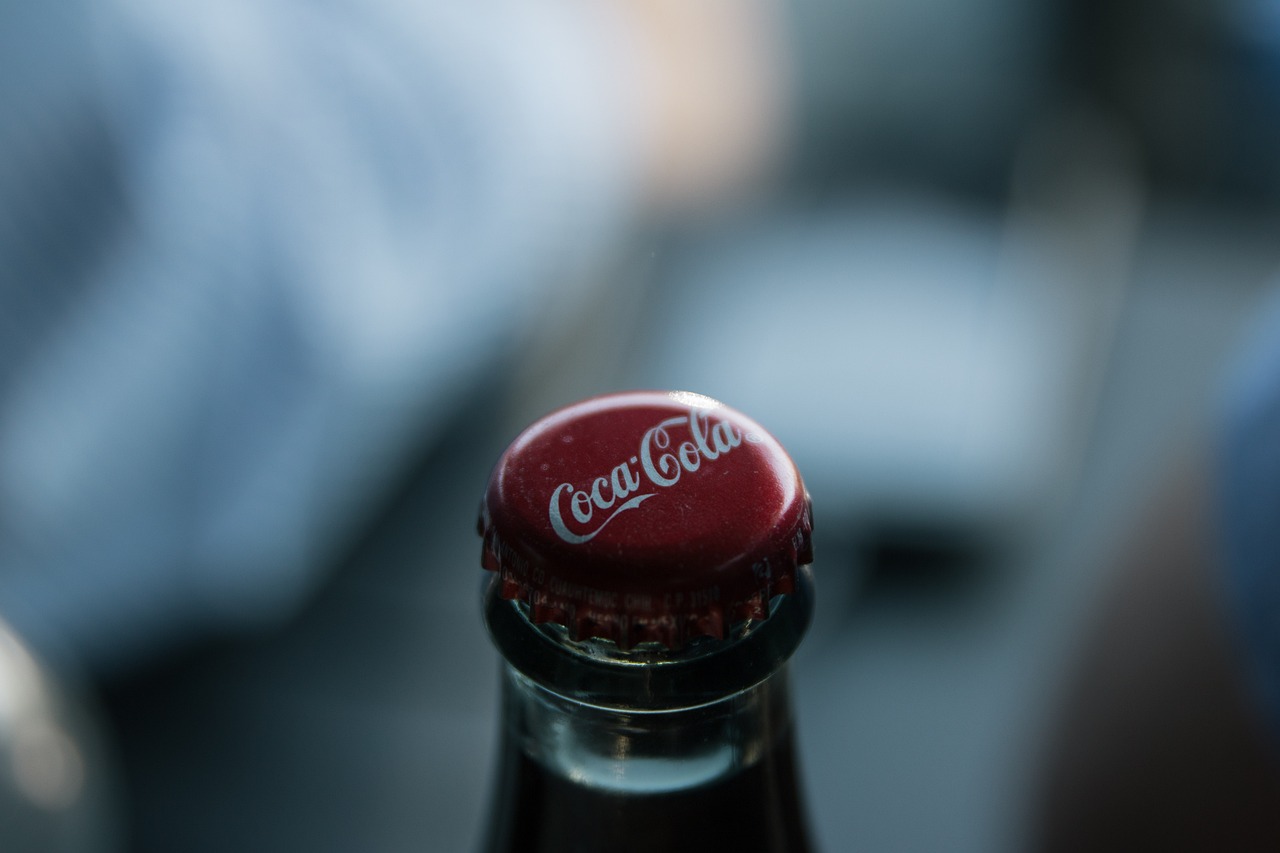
{"points": [[645, 517]]}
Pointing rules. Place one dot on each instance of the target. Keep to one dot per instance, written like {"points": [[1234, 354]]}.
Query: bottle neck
{"points": [[648, 678], [648, 749], [629, 752]]}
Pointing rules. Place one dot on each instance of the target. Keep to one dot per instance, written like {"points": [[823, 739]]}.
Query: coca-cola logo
{"points": [[659, 463]]}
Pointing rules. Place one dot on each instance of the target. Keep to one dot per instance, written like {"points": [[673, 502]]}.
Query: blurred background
{"points": [[280, 281]]}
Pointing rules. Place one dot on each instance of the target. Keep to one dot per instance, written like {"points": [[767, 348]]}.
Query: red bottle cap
{"points": [[645, 516]]}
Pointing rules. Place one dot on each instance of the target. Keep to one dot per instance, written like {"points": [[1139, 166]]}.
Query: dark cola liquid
{"points": [[755, 810]]}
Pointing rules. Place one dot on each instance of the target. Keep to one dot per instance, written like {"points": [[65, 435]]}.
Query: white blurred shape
{"points": [[54, 793], [47, 765]]}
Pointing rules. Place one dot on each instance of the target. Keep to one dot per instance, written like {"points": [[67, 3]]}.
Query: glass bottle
{"points": [[650, 586]]}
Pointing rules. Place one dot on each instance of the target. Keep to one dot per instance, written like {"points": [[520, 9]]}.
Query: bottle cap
{"points": [[645, 516]]}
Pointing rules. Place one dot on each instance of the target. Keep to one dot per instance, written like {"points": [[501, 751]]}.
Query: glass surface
{"points": [[648, 750]]}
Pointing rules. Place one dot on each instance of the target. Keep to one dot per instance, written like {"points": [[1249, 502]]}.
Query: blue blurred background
{"points": [[279, 281]]}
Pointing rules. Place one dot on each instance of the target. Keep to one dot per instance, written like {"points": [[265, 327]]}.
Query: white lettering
{"points": [[662, 462], [582, 506], [624, 482], [596, 497], [667, 472], [689, 457]]}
